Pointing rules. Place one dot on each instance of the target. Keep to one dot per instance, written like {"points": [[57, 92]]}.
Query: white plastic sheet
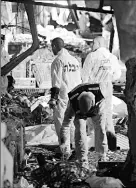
{"points": [[104, 182], [41, 134], [46, 135], [119, 108]]}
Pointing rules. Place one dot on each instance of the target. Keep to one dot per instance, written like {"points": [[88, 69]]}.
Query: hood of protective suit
{"points": [[105, 52]]}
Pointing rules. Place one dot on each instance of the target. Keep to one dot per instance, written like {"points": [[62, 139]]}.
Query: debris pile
{"points": [[29, 108], [43, 167], [17, 113]]}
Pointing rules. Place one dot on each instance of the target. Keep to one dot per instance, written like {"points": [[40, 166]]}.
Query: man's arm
{"points": [[56, 76], [116, 69], [86, 69]]}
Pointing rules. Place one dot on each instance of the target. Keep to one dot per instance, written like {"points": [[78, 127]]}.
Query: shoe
{"points": [[112, 141], [57, 150]]}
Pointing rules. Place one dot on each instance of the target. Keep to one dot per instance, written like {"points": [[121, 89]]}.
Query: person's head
{"points": [[86, 101], [11, 83], [57, 44], [2, 40], [98, 42]]}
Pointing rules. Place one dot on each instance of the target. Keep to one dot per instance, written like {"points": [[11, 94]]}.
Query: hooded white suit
{"points": [[102, 67]]}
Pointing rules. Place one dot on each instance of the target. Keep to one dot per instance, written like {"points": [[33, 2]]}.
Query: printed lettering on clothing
{"points": [[105, 64], [71, 68]]}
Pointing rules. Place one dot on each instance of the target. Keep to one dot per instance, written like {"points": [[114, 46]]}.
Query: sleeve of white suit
{"points": [[116, 69], [86, 69], [57, 73]]}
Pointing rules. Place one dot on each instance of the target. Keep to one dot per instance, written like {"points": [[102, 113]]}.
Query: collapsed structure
{"points": [[8, 68]]}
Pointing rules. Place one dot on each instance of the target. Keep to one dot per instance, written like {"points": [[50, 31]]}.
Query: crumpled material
{"points": [[104, 182], [119, 108], [6, 162], [64, 174], [23, 183], [13, 140]]}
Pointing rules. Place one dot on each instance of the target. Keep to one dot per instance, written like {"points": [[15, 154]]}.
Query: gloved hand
{"points": [[52, 103]]}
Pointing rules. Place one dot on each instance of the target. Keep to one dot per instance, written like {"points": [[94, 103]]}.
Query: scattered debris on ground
{"points": [[41, 167]]}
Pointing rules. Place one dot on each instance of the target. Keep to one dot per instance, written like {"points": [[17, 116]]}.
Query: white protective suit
{"points": [[4, 80], [102, 67], [65, 75]]}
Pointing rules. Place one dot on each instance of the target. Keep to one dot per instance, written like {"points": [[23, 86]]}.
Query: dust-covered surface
{"points": [[45, 167], [41, 164]]}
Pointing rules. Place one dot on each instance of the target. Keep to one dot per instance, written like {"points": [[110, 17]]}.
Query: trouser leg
{"points": [[57, 123], [107, 91], [109, 122], [111, 136], [81, 141], [99, 121], [90, 126], [66, 125], [58, 115], [72, 135]]}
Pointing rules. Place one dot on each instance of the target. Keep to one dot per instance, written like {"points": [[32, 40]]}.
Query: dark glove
{"points": [[54, 92], [52, 103], [54, 97]]}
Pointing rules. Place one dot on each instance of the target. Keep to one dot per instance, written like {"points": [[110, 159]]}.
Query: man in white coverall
{"points": [[65, 75], [4, 60], [102, 67]]}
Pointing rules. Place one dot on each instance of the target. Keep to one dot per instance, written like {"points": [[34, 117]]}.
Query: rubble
{"points": [[16, 114], [45, 167], [22, 111]]}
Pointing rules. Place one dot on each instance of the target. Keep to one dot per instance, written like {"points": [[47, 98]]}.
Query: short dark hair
{"points": [[2, 37], [58, 42]]}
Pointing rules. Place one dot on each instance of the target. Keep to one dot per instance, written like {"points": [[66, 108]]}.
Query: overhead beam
{"points": [[99, 10]]}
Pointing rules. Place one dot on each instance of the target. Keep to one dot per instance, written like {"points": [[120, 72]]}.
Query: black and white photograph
{"points": [[68, 94]]}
